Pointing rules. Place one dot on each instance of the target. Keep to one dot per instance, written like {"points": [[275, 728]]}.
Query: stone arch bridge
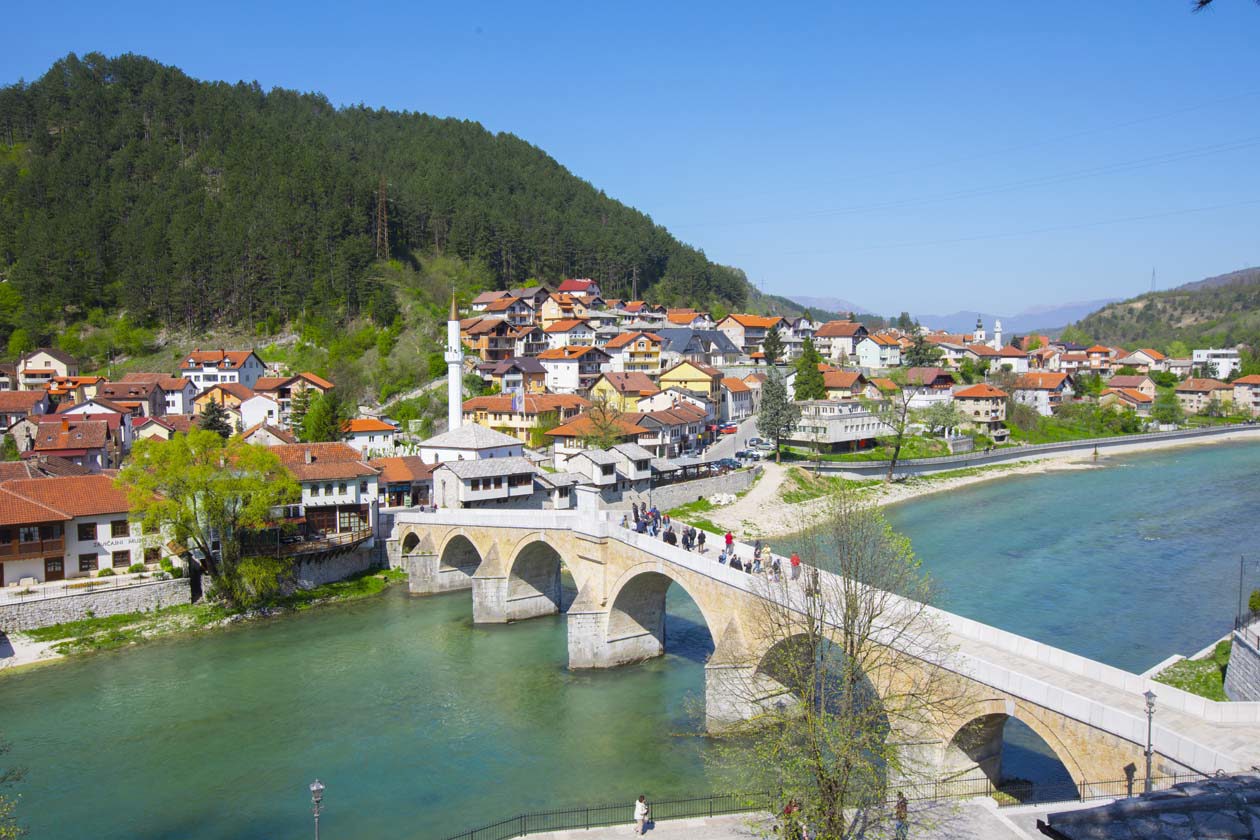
{"points": [[1092, 715]]}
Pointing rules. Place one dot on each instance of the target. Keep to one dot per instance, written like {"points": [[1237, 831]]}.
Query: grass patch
{"points": [[690, 509], [912, 447], [1204, 677], [966, 472], [801, 486], [115, 631]]}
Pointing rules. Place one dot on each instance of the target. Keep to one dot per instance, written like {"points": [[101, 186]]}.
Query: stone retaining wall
{"points": [[318, 571], [1242, 677], [673, 495], [27, 615]]}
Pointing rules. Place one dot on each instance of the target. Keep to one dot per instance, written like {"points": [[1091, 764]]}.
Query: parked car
{"points": [[748, 455], [753, 441], [765, 446], [728, 463]]}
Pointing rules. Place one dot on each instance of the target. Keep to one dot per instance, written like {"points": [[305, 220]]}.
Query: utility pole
{"points": [[382, 223], [1152, 279]]}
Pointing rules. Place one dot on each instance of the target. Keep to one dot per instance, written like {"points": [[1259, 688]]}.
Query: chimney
{"points": [[310, 459]]}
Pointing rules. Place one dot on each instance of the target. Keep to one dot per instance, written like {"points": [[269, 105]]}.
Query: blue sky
{"points": [[920, 155]]}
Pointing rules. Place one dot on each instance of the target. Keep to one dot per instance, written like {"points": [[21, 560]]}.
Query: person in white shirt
{"points": [[640, 814]]}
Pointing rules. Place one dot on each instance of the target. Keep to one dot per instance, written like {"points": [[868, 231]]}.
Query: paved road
{"points": [[968, 820], [727, 445]]}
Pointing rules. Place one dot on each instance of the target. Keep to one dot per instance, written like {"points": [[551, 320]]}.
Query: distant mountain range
{"points": [[1039, 317]]}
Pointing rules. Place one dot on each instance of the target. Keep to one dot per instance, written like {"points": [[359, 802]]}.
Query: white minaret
{"points": [[454, 370], [997, 334]]}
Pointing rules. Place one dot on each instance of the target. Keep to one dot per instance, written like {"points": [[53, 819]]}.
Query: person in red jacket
{"points": [[796, 565], [730, 541]]}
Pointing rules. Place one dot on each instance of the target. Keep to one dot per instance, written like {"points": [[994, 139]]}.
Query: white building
{"points": [[470, 443], [835, 426], [259, 409], [481, 483], [878, 351], [206, 368], [1220, 362], [370, 436]]}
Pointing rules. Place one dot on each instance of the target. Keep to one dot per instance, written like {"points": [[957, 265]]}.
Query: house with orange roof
{"points": [[522, 415], [369, 435], [74, 389], [569, 438], [984, 406], [560, 306], [265, 434], [490, 339], [93, 442], [177, 393], [1129, 398], [1011, 358], [69, 526], [844, 384], [1137, 381], [282, 390], [1144, 360], [1247, 394], [1099, 358], [167, 426], [580, 286], [339, 489], [570, 332], [878, 351], [206, 368], [1198, 394], [636, 352], [481, 301], [18, 405], [144, 399], [689, 318], [516, 311], [837, 341], [736, 402], [1043, 390], [748, 332], [405, 481], [230, 395], [36, 369], [573, 369]]}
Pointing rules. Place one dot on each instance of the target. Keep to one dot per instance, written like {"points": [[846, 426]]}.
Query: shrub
{"points": [[165, 564], [177, 571], [105, 573], [1253, 601], [135, 567]]}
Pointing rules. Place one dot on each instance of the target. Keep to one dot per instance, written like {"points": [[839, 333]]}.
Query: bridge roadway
{"points": [[1091, 714]]}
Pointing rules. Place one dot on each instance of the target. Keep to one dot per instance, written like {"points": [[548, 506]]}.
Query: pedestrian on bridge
{"points": [[700, 540], [796, 565], [730, 542]]}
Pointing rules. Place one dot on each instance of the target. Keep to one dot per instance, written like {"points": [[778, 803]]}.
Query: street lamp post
{"points": [[1150, 718], [317, 796]]}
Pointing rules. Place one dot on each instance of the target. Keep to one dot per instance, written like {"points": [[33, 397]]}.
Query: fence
{"points": [[75, 586], [1248, 626], [596, 816]]}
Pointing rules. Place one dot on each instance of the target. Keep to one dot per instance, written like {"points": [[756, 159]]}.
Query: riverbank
{"points": [[776, 506], [58, 641]]}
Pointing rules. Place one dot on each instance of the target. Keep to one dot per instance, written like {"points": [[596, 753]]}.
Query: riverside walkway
{"points": [[1092, 715]]}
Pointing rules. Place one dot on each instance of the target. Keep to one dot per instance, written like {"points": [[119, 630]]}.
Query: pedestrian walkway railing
{"points": [[1015, 793], [79, 586]]}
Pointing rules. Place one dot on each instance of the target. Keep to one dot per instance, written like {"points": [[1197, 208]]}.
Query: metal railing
{"points": [[1248, 626], [75, 586], [1015, 452], [596, 816]]}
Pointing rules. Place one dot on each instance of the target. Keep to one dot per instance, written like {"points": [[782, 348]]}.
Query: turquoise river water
{"points": [[422, 725]]}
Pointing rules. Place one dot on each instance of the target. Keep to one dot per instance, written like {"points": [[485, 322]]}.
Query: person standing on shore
{"points": [[641, 812]]}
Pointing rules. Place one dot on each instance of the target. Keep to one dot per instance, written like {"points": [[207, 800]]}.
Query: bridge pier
{"points": [[497, 600], [598, 640], [427, 576]]}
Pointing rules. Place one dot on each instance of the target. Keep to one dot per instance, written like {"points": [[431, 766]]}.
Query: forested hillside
{"points": [[128, 187], [1217, 312]]}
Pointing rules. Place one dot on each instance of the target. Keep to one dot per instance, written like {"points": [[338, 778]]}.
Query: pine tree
{"points": [[922, 353], [810, 383], [325, 418], [777, 414], [772, 346], [299, 405], [214, 418]]}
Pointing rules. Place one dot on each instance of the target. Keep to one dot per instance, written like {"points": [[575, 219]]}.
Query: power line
{"points": [[1017, 234], [1040, 181]]}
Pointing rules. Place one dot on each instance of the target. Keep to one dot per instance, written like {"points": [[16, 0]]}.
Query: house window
{"points": [[328, 490], [363, 487], [152, 556], [120, 559], [476, 484], [341, 488], [87, 562], [87, 533], [28, 534], [118, 528]]}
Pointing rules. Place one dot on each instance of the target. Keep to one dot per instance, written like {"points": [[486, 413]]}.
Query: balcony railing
{"points": [[36, 548]]}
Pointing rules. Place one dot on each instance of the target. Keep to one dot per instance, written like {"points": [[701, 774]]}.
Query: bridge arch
{"points": [[637, 608], [459, 554], [535, 575], [977, 743], [410, 542]]}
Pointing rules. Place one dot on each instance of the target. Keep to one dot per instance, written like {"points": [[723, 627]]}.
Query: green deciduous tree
{"points": [[604, 428], [848, 655], [809, 383], [201, 489], [777, 414], [892, 410], [1167, 409], [940, 416]]}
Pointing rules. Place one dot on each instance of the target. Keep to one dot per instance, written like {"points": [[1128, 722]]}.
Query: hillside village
{"points": [[582, 397]]}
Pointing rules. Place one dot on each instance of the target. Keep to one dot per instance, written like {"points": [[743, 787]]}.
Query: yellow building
{"points": [[622, 391], [693, 376]]}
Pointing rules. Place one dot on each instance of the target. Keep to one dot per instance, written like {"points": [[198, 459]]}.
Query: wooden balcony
{"points": [[14, 550]]}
